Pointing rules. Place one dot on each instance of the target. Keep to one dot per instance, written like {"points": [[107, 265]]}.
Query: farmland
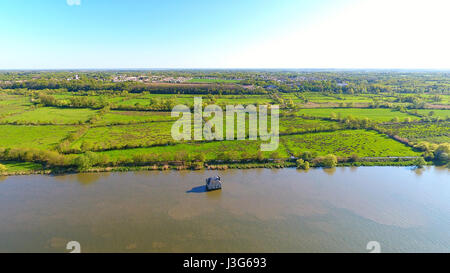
{"points": [[25, 136], [77, 126], [347, 142], [438, 132], [51, 115], [379, 114]]}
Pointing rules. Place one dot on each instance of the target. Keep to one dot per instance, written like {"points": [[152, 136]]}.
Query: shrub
{"points": [[89, 159], [354, 158], [2, 168], [307, 155], [82, 162], [327, 161], [301, 164], [259, 156], [420, 162], [200, 157], [442, 153]]}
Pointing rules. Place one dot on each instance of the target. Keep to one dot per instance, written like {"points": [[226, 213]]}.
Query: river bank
{"points": [[38, 169]]}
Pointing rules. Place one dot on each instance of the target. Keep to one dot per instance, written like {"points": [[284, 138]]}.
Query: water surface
{"points": [[259, 210]]}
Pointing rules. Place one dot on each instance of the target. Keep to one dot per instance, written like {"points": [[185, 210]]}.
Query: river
{"points": [[259, 210]]}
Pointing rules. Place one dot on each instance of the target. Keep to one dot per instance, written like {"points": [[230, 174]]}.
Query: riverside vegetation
{"points": [[63, 121]]}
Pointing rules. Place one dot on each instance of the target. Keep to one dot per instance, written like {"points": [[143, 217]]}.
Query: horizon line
{"points": [[218, 68]]}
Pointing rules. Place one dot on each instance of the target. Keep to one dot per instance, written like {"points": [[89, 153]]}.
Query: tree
{"points": [[420, 162], [442, 153]]}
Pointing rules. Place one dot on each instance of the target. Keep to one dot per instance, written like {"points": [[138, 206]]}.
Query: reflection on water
{"points": [[267, 210], [87, 179], [82, 178], [329, 171]]}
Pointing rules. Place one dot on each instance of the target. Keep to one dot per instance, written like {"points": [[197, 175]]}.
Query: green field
{"points": [[129, 117], [213, 151], [435, 113], [378, 114], [13, 104], [77, 125], [295, 124], [13, 166], [347, 142], [416, 132], [51, 115], [23, 136], [146, 134]]}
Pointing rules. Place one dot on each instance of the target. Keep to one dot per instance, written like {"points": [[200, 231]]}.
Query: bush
{"points": [[89, 159], [442, 153], [82, 162], [354, 158], [200, 157], [307, 155], [420, 162], [301, 164], [2, 168], [327, 161]]}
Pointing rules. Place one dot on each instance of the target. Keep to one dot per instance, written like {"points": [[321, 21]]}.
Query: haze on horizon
{"points": [[108, 34]]}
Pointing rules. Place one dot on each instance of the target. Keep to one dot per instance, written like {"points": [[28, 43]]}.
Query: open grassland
{"points": [[152, 99], [129, 117], [444, 114], [346, 143], [243, 99], [213, 151], [10, 104], [67, 130], [135, 135], [42, 137], [295, 124], [52, 115], [13, 166], [378, 114], [437, 132]]}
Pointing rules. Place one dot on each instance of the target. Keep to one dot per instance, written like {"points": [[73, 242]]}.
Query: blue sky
{"points": [[46, 34]]}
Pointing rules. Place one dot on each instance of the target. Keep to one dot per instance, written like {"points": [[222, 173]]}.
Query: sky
{"points": [[108, 34]]}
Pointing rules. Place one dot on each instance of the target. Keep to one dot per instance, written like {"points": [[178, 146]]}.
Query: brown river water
{"points": [[258, 210]]}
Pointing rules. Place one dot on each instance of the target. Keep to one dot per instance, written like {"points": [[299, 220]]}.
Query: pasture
{"points": [[24, 136], [377, 114], [346, 143], [130, 117], [443, 114], [437, 132], [52, 115], [213, 151], [120, 136]]}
